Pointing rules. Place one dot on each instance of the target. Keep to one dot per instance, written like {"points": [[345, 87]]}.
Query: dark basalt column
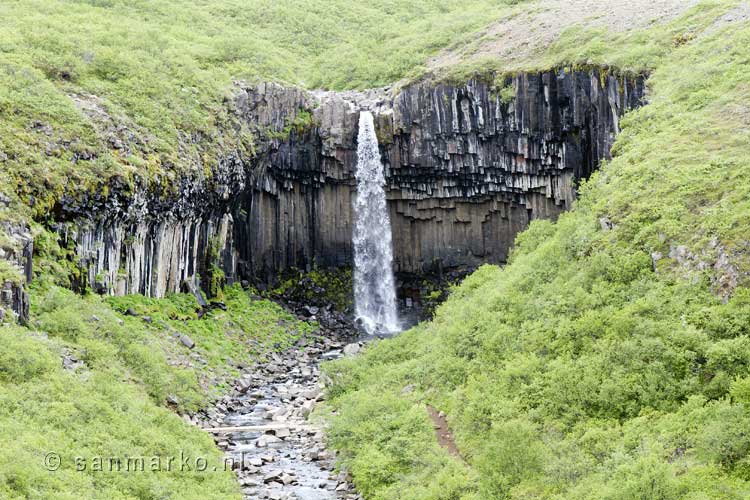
{"points": [[468, 170], [467, 167], [17, 250]]}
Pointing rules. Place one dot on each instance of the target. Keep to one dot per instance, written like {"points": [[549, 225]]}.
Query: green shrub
{"points": [[22, 358], [594, 365]]}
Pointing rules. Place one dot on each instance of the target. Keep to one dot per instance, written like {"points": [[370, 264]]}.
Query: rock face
{"points": [[467, 167], [16, 248]]}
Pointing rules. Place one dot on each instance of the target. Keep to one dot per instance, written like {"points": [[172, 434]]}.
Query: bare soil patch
{"points": [[532, 27], [443, 431]]}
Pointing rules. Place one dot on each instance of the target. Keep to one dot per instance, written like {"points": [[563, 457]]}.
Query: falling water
{"points": [[374, 290]]}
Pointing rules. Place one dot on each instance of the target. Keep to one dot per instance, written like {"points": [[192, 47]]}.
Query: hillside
{"points": [[153, 148], [93, 91], [95, 94], [609, 358]]}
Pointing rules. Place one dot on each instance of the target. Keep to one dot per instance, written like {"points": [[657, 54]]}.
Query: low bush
{"points": [[90, 381], [601, 361]]}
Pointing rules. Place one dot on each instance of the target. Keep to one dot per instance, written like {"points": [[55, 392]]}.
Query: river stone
{"points": [[311, 393], [274, 494], [272, 476], [267, 440], [351, 349], [248, 481], [282, 432]]}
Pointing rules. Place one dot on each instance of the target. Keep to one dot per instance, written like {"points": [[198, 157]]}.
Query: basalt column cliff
{"points": [[466, 166]]}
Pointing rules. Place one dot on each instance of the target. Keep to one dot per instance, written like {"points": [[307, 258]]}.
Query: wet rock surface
{"points": [[277, 452]]}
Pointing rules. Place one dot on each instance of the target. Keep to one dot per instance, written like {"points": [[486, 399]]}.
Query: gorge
{"points": [[466, 168], [422, 250]]}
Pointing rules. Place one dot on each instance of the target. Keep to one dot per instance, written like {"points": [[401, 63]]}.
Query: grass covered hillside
{"points": [[106, 377], [610, 359], [96, 90]]}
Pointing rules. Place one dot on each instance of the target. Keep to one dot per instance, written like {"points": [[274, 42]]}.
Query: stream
{"points": [[262, 425]]}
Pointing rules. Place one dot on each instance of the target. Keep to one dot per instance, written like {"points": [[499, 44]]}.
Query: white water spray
{"points": [[374, 289]]}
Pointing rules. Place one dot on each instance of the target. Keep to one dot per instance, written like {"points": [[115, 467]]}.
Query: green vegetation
{"points": [[92, 91], [610, 359], [633, 51], [101, 93], [9, 273], [318, 287], [126, 363], [224, 340], [301, 122], [93, 412], [507, 94]]}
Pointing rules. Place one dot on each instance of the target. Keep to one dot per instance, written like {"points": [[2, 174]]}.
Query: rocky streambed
{"points": [[263, 426]]}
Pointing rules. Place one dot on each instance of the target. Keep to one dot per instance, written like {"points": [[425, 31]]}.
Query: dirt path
{"points": [[443, 432]]}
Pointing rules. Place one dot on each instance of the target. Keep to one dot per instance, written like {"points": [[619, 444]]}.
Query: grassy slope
{"points": [[581, 369], [116, 403], [636, 50], [161, 71]]}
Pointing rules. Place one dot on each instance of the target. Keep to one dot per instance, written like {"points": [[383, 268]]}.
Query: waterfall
{"points": [[374, 289]]}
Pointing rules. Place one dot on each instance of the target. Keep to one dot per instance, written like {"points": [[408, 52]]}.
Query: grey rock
{"points": [[187, 341], [351, 349], [311, 393], [14, 300], [460, 164], [272, 476], [282, 432]]}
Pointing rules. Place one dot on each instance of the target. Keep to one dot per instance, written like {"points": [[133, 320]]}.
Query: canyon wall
{"points": [[16, 248], [467, 167]]}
